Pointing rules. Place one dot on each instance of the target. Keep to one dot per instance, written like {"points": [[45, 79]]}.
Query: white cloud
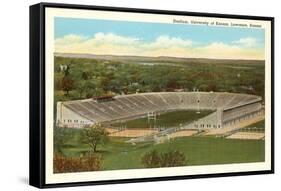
{"points": [[110, 43], [101, 38], [168, 42], [220, 50], [248, 42], [69, 39]]}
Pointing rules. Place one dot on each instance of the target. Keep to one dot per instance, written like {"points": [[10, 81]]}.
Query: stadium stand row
{"points": [[228, 107]]}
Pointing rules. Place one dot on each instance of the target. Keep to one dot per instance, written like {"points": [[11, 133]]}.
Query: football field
{"points": [[165, 120]]}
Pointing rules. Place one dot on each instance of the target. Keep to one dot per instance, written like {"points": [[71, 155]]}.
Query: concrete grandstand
{"points": [[229, 109]]}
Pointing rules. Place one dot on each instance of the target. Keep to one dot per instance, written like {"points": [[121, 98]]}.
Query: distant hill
{"points": [[157, 59]]}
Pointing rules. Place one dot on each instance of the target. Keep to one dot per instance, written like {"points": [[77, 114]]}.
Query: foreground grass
{"points": [[198, 151]]}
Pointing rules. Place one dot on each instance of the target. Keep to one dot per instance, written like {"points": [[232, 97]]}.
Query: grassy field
{"points": [[165, 120], [198, 151]]}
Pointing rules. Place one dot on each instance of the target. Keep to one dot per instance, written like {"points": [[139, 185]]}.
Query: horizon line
{"points": [[159, 56]]}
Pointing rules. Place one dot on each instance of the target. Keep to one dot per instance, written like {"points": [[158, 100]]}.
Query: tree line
{"points": [[86, 78]]}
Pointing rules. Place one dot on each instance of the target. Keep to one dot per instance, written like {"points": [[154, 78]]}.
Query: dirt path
{"points": [[133, 133], [246, 136]]}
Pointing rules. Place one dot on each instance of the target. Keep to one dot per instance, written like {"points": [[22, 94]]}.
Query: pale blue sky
{"points": [[92, 36], [199, 34]]}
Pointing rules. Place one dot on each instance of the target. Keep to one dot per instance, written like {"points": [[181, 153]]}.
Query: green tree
{"points": [[67, 84], [93, 136]]}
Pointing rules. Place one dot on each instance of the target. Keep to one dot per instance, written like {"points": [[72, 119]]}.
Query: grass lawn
{"points": [[198, 151], [170, 119]]}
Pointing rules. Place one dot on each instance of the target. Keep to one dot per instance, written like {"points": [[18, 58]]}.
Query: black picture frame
{"points": [[37, 94]]}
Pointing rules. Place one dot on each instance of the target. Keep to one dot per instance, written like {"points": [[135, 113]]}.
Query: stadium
{"points": [[227, 112]]}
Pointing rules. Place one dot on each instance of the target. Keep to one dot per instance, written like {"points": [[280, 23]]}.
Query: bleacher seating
{"points": [[126, 106]]}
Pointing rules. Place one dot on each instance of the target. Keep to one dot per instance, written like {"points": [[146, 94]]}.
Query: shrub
{"points": [[172, 158], [151, 159], [89, 162], [154, 159]]}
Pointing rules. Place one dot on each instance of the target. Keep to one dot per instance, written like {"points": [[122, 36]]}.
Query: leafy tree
{"points": [[67, 84], [81, 88], [86, 75], [57, 80], [94, 135]]}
